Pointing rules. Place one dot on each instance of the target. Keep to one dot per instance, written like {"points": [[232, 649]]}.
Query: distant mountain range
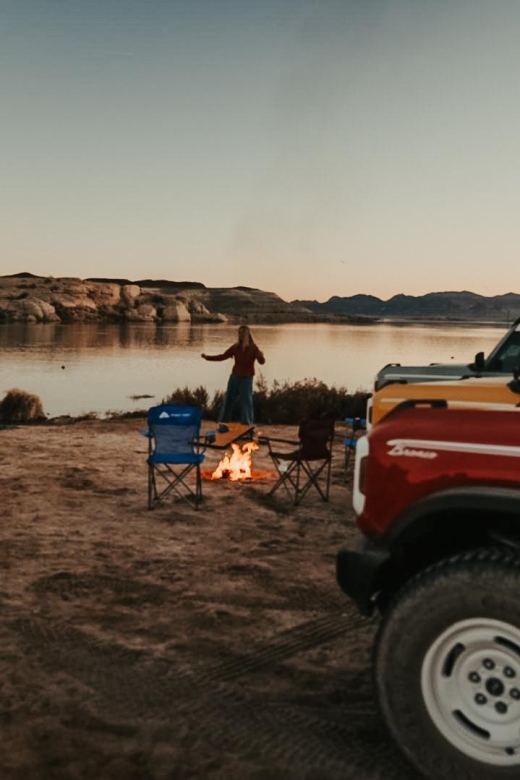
{"points": [[438, 305]]}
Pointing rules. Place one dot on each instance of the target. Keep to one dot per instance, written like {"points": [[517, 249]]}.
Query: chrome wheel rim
{"points": [[470, 682]]}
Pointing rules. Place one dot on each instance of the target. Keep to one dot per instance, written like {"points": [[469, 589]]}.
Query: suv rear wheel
{"points": [[447, 668]]}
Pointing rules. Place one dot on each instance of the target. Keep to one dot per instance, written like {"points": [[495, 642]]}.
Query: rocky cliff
{"points": [[29, 298]]}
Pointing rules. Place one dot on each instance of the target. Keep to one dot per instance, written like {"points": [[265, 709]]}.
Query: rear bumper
{"points": [[358, 573]]}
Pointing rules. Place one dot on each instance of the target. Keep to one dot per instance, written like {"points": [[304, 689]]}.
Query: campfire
{"points": [[236, 466]]}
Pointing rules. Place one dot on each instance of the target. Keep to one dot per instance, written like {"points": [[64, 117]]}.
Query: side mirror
{"points": [[514, 385], [480, 363]]}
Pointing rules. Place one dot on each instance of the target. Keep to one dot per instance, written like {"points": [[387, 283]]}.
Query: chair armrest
{"points": [[267, 439], [201, 442], [356, 423]]}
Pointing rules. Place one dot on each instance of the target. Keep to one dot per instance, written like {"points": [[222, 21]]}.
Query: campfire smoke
{"points": [[236, 466]]}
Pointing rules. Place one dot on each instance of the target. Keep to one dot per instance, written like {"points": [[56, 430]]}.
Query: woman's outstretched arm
{"points": [[225, 355]]}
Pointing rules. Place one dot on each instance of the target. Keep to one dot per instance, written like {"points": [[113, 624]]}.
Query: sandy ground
{"points": [[175, 644]]}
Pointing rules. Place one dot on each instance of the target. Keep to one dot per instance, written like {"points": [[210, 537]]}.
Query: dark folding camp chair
{"points": [[174, 450], [309, 465], [354, 427]]}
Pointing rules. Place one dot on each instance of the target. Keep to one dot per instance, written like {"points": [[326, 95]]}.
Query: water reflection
{"points": [[85, 367], [78, 336]]}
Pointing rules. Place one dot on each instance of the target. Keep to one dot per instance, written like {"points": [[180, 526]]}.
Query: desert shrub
{"points": [[136, 414], [288, 404], [198, 397], [20, 406], [284, 403]]}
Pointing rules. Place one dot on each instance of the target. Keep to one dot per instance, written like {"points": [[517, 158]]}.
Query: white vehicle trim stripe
{"points": [[462, 404], [458, 446], [431, 376], [448, 380], [358, 498]]}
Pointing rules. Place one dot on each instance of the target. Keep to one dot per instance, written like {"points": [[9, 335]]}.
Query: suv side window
{"points": [[509, 356]]}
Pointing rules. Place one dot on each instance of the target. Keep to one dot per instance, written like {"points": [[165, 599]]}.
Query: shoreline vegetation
{"points": [[284, 403]]}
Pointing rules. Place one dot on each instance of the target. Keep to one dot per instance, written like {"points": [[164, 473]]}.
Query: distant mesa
{"points": [[26, 297], [163, 283], [22, 275]]}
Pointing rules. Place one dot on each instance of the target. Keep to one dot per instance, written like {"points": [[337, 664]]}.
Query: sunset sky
{"points": [[305, 147]]}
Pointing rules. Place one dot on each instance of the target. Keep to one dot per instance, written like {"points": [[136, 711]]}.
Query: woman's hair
{"points": [[245, 338]]}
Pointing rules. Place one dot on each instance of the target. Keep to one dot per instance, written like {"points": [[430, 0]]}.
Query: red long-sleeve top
{"points": [[244, 359]]}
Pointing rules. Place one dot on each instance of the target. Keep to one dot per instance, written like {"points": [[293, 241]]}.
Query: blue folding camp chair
{"points": [[174, 450], [354, 426]]}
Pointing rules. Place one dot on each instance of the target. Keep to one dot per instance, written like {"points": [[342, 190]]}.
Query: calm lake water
{"points": [[81, 368]]}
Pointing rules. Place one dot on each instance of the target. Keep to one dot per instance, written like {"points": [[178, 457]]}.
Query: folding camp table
{"points": [[226, 434]]}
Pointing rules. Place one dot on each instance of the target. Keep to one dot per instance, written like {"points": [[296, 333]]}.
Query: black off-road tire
{"points": [[431, 657]]}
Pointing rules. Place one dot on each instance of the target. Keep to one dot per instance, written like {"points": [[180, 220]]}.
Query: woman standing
{"points": [[238, 401]]}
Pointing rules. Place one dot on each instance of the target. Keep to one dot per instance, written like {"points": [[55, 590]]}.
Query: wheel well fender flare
{"points": [[495, 502]]}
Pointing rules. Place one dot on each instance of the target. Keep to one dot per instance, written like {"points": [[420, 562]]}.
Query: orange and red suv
{"points": [[437, 499]]}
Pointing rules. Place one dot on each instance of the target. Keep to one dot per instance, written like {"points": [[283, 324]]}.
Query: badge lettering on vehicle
{"points": [[400, 450]]}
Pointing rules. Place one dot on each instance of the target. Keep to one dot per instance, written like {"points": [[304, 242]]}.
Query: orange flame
{"points": [[238, 466]]}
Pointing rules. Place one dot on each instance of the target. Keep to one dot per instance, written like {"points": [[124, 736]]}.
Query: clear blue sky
{"points": [[306, 147]]}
